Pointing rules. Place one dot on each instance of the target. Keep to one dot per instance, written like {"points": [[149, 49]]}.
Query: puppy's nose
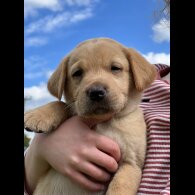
{"points": [[96, 93]]}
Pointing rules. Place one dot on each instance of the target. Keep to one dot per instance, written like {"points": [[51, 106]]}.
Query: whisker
{"points": [[70, 105]]}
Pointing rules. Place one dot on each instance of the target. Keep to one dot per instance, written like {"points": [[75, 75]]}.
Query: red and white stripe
{"points": [[156, 171]]}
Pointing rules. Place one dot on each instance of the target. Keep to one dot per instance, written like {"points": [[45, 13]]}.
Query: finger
{"points": [[103, 160], [84, 181], [108, 146], [95, 172]]}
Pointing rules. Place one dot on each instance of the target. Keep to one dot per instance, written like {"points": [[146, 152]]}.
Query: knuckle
{"points": [[84, 151], [89, 137], [74, 160]]}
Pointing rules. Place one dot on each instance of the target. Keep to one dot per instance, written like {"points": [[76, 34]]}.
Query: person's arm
{"points": [[75, 151]]}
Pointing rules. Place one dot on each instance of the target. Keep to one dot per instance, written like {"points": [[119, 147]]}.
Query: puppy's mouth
{"points": [[100, 112]]}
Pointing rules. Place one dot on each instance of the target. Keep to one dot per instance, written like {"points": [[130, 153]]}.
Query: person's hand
{"points": [[75, 151]]}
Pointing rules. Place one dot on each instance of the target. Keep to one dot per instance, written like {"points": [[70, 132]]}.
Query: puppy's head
{"points": [[101, 77]]}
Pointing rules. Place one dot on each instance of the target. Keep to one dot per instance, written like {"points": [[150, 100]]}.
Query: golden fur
{"points": [[123, 74]]}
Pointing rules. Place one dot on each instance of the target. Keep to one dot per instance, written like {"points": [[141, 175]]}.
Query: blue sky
{"points": [[54, 27]]}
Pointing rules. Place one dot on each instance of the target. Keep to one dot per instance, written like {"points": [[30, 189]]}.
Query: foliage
{"points": [[26, 141]]}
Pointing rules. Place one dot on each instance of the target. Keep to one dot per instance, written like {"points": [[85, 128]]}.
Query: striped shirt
{"points": [[156, 171], [156, 107]]}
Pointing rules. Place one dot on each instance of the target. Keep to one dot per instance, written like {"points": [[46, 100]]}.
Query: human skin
{"points": [[74, 150]]}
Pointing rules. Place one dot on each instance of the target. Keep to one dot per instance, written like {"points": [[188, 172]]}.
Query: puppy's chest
{"points": [[130, 134], [122, 136], [111, 131]]}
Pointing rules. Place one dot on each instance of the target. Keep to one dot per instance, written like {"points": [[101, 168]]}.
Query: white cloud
{"points": [[51, 23], [161, 31], [31, 6], [33, 75], [60, 13], [37, 92], [79, 16], [38, 95], [35, 41], [44, 74], [155, 58]]}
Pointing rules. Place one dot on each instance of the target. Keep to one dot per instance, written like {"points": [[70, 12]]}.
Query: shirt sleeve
{"points": [[156, 170]]}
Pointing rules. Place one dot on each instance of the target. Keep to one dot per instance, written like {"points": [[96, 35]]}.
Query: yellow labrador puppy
{"points": [[102, 80]]}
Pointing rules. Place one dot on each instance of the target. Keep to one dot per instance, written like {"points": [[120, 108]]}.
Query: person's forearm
{"points": [[35, 167]]}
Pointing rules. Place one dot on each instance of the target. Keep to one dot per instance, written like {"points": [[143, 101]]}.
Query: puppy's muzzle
{"points": [[96, 93]]}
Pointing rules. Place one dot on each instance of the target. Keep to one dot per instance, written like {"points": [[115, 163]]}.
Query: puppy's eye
{"points": [[115, 68], [77, 73]]}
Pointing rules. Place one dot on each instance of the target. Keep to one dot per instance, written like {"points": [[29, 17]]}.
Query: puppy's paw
{"points": [[37, 122], [45, 118]]}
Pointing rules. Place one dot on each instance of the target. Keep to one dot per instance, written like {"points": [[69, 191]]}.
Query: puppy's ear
{"points": [[144, 73], [57, 80]]}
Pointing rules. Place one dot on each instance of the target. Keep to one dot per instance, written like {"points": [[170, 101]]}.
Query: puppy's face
{"points": [[98, 78]]}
